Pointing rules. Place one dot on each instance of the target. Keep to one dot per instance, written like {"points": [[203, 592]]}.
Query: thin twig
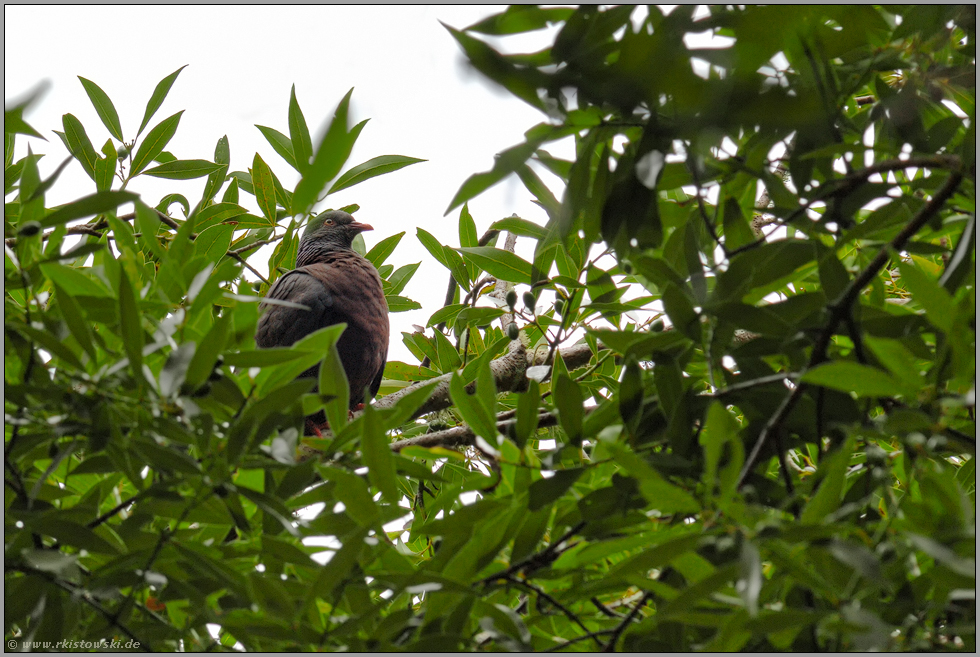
{"points": [[565, 610], [249, 267], [86, 597], [451, 289], [761, 381], [584, 637], [841, 307], [839, 187], [611, 645], [116, 509], [537, 560], [462, 435]]}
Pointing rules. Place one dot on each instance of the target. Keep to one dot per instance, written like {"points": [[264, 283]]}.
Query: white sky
{"points": [[408, 77]]}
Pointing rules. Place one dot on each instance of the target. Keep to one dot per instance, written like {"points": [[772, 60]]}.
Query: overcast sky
{"points": [[408, 76]]}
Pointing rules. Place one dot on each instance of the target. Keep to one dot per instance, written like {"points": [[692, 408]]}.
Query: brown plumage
{"points": [[337, 285]]}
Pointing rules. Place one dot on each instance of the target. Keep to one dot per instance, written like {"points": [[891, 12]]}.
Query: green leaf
{"points": [[656, 556], [147, 221], [333, 383], [354, 493], [899, 361], [341, 565], [446, 314], [477, 316], [545, 491], [681, 312], [473, 412], [828, 496], [397, 304], [401, 277], [74, 534], [174, 371], [13, 117], [263, 357], [231, 192], [376, 166], [520, 18], [467, 228], [663, 495], [331, 154], [87, 206], [377, 456], [380, 251], [520, 227], [280, 144], [847, 376], [265, 188], [719, 428], [50, 343], [131, 329], [183, 169], [486, 387], [568, 399], [931, 296], [445, 256], [506, 163], [206, 354], [500, 264], [526, 423], [154, 143], [105, 167], [631, 392], [299, 135], [156, 99], [107, 112], [407, 406], [536, 186], [122, 233], [222, 157], [214, 241], [74, 281], [218, 212], [448, 359], [79, 144]]}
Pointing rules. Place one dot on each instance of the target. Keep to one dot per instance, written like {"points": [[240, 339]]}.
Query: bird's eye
{"points": [[328, 222]]}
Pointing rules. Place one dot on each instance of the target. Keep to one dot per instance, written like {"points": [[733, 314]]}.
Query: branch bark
{"points": [[508, 373]]}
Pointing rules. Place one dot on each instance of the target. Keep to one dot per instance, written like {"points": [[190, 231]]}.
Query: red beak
{"points": [[360, 227]]}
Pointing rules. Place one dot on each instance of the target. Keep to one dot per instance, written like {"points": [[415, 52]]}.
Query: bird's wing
{"points": [[359, 301], [281, 326]]}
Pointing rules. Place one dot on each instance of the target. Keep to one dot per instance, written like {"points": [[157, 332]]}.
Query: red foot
{"points": [[314, 429]]}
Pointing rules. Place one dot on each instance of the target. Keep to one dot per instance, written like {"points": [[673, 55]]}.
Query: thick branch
{"points": [[462, 435], [508, 373]]}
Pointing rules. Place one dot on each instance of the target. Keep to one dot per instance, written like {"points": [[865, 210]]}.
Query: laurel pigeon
{"points": [[337, 285]]}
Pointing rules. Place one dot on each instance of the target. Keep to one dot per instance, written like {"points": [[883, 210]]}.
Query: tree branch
{"points": [[557, 605], [611, 646], [86, 597], [841, 307], [508, 374], [463, 435]]}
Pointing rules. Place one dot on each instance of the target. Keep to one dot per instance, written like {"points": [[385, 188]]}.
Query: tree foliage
{"points": [[727, 405]]}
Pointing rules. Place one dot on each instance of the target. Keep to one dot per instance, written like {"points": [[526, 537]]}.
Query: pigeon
{"points": [[338, 285]]}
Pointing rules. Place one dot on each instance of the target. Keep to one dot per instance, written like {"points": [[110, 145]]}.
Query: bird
{"points": [[338, 285]]}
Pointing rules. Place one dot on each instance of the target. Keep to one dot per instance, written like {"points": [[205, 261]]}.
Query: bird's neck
{"points": [[315, 251]]}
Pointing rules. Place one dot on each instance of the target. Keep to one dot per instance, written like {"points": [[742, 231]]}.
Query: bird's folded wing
{"points": [[281, 326]]}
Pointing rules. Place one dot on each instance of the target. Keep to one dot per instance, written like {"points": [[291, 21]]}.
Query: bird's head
{"points": [[328, 231]]}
